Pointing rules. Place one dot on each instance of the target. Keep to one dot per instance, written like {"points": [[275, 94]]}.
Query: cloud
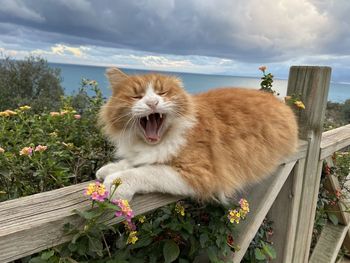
{"points": [[62, 49], [18, 10], [228, 36]]}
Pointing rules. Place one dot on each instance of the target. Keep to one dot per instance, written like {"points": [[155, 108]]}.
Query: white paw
{"points": [[110, 168], [124, 191]]}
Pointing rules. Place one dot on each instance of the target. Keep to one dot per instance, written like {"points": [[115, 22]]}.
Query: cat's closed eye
{"points": [[136, 97], [162, 93]]}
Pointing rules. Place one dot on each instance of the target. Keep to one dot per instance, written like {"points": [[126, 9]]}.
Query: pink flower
{"points": [[40, 148], [77, 116], [96, 191], [26, 151], [125, 211], [262, 68], [54, 113]]}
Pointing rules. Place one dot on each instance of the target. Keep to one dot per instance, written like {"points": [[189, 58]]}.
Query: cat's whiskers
{"points": [[115, 120]]}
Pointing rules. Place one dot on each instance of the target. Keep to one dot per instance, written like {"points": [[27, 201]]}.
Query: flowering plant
{"points": [[41, 151], [266, 85]]}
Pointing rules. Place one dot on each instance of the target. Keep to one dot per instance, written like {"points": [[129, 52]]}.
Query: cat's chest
{"points": [[141, 154]]}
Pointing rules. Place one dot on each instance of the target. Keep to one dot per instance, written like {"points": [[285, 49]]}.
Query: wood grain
{"points": [[329, 243], [284, 214], [261, 198], [313, 85], [334, 140]]}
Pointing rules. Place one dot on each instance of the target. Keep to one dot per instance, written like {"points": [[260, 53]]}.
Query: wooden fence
{"points": [[34, 223]]}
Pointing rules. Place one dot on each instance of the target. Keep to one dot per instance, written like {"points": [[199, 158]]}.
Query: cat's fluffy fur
{"points": [[205, 146]]}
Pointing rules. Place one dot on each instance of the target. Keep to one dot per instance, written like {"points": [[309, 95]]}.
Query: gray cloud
{"points": [[254, 31], [244, 30]]}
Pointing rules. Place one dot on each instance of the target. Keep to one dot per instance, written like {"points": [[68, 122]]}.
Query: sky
{"points": [[231, 37]]}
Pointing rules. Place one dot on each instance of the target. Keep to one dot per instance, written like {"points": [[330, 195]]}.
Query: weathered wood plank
{"points": [[284, 214], [334, 140], [332, 185], [31, 224], [34, 223], [329, 243], [313, 85], [261, 198]]}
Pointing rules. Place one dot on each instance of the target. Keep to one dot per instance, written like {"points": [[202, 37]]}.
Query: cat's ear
{"points": [[115, 76]]}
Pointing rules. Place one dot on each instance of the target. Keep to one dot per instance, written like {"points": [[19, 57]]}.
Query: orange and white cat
{"points": [[205, 146]]}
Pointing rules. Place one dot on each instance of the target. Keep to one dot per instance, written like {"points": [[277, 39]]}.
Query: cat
{"points": [[205, 146]]}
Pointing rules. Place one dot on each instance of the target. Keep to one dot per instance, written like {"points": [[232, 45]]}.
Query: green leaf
{"points": [[212, 254], [37, 260], [88, 214], [46, 255], [269, 250], [333, 218], [259, 255], [170, 251], [203, 239]]}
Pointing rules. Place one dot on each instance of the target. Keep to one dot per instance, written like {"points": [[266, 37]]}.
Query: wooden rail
{"points": [[43, 215], [31, 224]]}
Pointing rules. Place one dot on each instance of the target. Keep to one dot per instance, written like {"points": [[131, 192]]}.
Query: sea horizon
{"points": [[72, 75]]}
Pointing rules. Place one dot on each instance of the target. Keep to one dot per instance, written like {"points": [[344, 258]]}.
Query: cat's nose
{"points": [[152, 103]]}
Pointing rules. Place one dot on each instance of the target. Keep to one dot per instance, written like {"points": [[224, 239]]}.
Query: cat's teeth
{"points": [[147, 117], [161, 115]]}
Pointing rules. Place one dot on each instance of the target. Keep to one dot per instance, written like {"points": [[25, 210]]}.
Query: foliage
{"points": [[188, 234], [337, 114], [266, 81], [327, 199], [43, 151], [261, 248], [30, 81]]}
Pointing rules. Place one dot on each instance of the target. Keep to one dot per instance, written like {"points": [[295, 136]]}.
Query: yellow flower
{"points": [[25, 107], [2, 150], [180, 209], [53, 134], [234, 216], [7, 113], [142, 219], [299, 104], [132, 238]]}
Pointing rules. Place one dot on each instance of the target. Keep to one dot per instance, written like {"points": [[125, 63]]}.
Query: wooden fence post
{"points": [[312, 83], [293, 212]]}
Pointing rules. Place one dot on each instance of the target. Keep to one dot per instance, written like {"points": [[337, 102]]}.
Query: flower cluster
{"points": [[299, 104], [65, 112], [125, 211], [28, 151], [96, 191], [132, 238], [179, 209], [7, 113], [244, 210], [235, 215], [295, 101], [24, 108]]}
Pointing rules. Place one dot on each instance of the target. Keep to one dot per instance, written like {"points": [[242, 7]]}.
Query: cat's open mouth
{"points": [[151, 126]]}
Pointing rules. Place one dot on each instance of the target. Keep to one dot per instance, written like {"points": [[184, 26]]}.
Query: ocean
{"points": [[194, 83]]}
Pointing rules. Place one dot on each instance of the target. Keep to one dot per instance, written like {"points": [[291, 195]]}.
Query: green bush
{"points": [[29, 81], [47, 150]]}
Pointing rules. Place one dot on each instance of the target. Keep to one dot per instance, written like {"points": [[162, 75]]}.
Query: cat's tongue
{"points": [[152, 128]]}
